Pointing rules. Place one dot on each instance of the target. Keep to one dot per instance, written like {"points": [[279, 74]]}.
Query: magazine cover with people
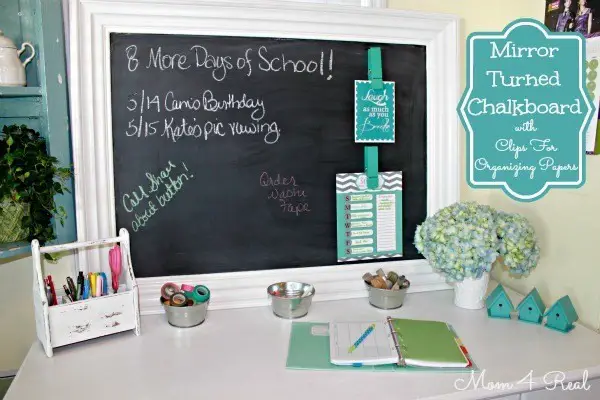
{"points": [[581, 16]]}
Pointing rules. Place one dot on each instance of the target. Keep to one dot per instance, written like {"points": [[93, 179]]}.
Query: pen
{"points": [[360, 339], [67, 292], [72, 288]]}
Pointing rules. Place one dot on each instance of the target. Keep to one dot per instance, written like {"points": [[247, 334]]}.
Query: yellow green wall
{"points": [[563, 219], [17, 329], [17, 326]]}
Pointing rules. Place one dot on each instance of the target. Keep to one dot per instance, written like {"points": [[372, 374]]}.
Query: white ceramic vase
{"points": [[470, 293]]}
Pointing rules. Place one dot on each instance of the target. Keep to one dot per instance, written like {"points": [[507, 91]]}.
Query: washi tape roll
{"points": [[201, 294], [168, 289], [178, 300], [187, 288], [191, 302]]}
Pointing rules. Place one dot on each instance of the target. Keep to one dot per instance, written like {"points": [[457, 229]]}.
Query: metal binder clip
{"points": [[371, 167], [375, 70]]}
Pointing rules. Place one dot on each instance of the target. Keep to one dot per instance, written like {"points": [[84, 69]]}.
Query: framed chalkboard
{"points": [[226, 148], [109, 164]]}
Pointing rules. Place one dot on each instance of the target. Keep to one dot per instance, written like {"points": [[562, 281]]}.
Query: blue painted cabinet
{"points": [[43, 104]]}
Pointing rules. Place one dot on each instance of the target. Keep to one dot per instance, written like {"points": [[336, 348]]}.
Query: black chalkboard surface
{"points": [[226, 148]]}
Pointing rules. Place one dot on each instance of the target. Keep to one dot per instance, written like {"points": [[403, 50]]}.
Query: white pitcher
{"points": [[12, 70]]}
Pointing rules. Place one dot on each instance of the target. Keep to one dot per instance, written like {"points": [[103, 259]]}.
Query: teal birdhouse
{"points": [[561, 315], [531, 308], [498, 303]]}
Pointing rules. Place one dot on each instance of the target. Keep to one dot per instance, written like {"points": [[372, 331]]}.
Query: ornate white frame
{"points": [[93, 20]]}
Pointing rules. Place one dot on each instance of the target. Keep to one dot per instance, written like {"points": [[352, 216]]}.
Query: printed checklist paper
{"points": [[377, 348], [369, 221]]}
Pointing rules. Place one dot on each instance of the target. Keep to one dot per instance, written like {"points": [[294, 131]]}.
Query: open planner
{"points": [[405, 342]]}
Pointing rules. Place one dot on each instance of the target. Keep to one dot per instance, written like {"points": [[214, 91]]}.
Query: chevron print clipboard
{"points": [[369, 221]]}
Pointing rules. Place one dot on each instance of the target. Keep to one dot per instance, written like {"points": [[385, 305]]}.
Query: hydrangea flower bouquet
{"points": [[464, 240]]}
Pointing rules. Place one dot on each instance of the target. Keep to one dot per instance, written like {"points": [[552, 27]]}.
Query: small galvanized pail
{"points": [[290, 299], [386, 299], [185, 317]]}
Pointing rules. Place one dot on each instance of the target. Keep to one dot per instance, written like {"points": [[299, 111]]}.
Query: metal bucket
{"points": [[186, 317], [290, 299], [385, 298]]}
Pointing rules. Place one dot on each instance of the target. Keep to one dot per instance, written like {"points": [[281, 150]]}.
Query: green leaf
{"points": [[28, 174]]}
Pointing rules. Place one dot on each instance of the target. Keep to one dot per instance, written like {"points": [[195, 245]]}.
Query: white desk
{"points": [[241, 354]]}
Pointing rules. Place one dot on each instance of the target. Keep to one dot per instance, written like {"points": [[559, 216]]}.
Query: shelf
{"points": [[28, 91], [14, 249]]}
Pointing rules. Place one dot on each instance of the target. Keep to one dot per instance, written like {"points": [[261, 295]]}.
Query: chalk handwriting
{"points": [[288, 194], [247, 61], [167, 61], [130, 53], [159, 189], [173, 128]]}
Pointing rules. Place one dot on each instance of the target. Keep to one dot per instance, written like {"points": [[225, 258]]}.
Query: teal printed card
{"points": [[374, 112], [526, 110], [369, 222]]}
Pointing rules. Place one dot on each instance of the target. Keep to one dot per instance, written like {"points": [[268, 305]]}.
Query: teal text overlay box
{"points": [[525, 110]]}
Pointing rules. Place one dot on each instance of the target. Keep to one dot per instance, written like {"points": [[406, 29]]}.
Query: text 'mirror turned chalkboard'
{"points": [[226, 148]]}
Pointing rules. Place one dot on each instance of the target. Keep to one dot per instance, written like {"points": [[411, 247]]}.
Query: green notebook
{"points": [[309, 348], [428, 344]]}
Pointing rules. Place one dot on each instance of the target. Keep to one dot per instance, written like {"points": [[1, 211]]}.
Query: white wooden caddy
{"points": [[69, 323]]}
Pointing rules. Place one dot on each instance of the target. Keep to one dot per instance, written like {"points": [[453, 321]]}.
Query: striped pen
{"points": [[361, 338]]}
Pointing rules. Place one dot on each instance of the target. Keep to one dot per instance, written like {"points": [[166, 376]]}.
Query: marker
{"points": [[72, 288], [104, 284], [360, 339], [92, 284], [67, 292], [86, 289], [98, 285], [49, 293], [80, 285], [51, 284]]}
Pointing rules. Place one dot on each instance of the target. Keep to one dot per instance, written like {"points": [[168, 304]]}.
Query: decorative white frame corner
{"points": [[93, 20]]}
